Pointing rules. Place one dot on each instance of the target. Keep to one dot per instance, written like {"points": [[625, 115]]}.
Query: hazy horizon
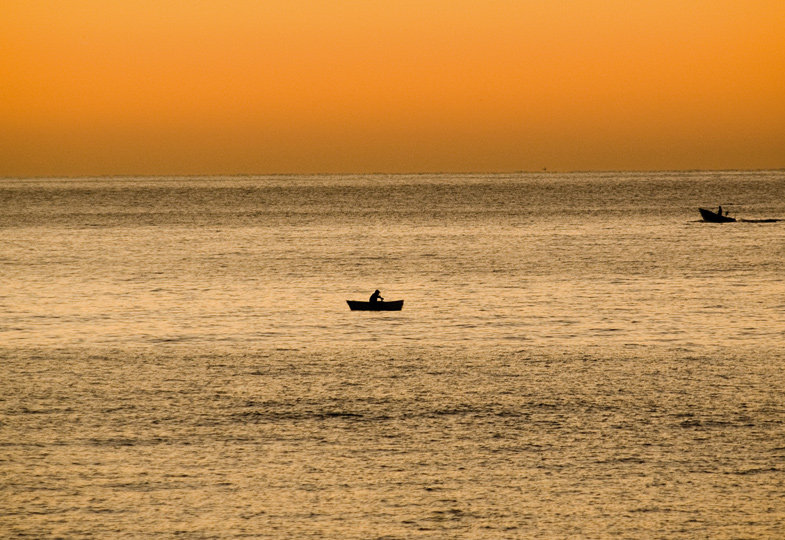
{"points": [[388, 173]]}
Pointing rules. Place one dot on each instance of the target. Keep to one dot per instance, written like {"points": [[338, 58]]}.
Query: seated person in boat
{"points": [[376, 297]]}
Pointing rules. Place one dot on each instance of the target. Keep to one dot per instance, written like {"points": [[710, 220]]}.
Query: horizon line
{"points": [[379, 173]]}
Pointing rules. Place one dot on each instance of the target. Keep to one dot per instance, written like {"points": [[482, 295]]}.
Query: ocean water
{"points": [[579, 355]]}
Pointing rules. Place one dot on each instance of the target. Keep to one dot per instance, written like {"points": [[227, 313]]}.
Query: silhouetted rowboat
{"points": [[357, 305], [714, 217]]}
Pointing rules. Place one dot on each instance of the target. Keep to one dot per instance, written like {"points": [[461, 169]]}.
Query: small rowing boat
{"points": [[714, 217], [358, 305]]}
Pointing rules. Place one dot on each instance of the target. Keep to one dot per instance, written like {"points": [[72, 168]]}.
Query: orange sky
{"points": [[265, 86]]}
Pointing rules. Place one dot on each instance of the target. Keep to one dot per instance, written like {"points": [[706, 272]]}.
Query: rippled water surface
{"points": [[578, 356]]}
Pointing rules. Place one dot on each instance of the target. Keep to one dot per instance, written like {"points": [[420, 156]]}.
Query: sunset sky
{"points": [[95, 87]]}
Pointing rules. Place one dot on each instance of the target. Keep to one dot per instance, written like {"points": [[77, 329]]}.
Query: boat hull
{"points": [[714, 217], [357, 305]]}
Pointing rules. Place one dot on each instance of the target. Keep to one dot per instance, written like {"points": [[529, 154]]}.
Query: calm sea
{"points": [[578, 355]]}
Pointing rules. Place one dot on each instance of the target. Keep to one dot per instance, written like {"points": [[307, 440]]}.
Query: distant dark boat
{"points": [[714, 217], [357, 305]]}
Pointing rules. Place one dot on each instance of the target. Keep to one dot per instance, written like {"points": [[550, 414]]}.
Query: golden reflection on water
{"points": [[398, 443], [578, 356]]}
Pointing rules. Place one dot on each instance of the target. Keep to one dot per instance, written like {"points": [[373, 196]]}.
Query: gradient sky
{"points": [[265, 86]]}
